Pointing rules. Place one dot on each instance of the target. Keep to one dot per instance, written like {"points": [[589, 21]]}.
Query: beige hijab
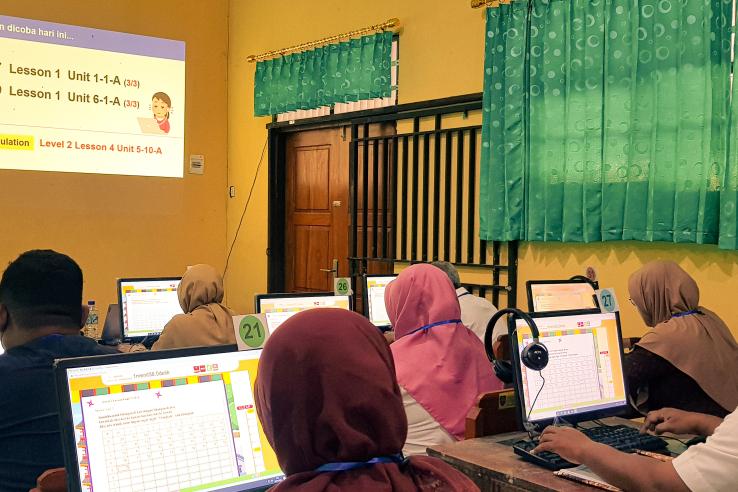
{"points": [[700, 345], [206, 321]]}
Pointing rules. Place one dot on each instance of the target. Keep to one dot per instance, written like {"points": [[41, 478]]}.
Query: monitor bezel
{"points": [[365, 297], [293, 295], [66, 422], [529, 292], [574, 418], [123, 327]]}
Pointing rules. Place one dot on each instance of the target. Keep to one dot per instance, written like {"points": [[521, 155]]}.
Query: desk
{"points": [[495, 468]]}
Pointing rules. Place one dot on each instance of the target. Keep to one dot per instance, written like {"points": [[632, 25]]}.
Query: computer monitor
{"points": [[169, 420], [147, 305], [584, 377], [560, 295], [374, 307], [280, 307], [112, 332]]}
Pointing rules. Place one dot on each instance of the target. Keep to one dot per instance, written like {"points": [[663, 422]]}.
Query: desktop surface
{"points": [[565, 295], [147, 305], [584, 377], [376, 310], [493, 466], [173, 420], [280, 307]]}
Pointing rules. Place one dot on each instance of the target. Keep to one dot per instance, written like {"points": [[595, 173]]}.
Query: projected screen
{"points": [[179, 424], [147, 305], [280, 309], [585, 369], [84, 100]]}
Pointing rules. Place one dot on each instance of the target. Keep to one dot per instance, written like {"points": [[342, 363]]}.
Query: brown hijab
{"points": [[326, 392], [699, 344], [206, 321]]}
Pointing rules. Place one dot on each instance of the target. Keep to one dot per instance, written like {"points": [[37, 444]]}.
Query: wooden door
{"points": [[317, 209]]}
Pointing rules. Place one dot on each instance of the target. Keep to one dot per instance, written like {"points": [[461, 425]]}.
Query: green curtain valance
{"points": [[350, 71], [607, 120]]}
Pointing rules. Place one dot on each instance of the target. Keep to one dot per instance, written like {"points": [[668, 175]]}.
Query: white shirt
{"points": [[476, 313], [712, 466], [423, 430]]}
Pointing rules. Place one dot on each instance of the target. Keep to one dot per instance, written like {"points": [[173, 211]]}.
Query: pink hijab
{"points": [[439, 361]]}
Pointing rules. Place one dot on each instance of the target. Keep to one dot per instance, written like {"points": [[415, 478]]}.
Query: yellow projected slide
{"points": [[84, 100]]}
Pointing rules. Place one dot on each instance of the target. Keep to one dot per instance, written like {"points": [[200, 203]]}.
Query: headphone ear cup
{"points": [[535, 356], [504, 371]]}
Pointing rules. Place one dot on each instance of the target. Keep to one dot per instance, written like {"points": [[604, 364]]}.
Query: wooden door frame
{"points": [[278, 132]]}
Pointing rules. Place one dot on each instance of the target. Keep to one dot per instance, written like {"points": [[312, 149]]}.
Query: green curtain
{"points": [[729, 194], [350, 71], [605, 120]]}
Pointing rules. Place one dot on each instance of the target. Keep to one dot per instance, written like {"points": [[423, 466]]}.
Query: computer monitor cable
{"points": [[246, 206], [534, 356]]}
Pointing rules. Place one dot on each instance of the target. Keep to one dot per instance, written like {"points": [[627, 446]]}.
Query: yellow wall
{"points": [[131, 226], [439, 41], [441, 55]]}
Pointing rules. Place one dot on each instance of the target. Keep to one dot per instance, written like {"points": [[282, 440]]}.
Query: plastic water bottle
{"points": [[92, 324]]}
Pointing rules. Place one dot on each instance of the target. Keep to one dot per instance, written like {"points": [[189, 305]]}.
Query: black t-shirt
{"points": [[30, 441]]}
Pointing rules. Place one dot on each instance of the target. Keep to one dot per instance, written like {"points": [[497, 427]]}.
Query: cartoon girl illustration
{"points": [[160, 105]]}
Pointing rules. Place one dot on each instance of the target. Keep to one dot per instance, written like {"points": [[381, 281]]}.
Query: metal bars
{"points": [[416, 199]]}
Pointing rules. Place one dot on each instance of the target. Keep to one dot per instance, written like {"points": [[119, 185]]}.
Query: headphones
{"points": [[534, 355], [594, 283], [595, 286]]}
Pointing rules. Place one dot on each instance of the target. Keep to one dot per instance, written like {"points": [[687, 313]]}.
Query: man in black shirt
{"points": [[41, 314]]}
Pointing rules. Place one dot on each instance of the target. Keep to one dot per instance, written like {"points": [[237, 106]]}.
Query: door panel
{"points": [[317, 209], [310, 244], [311, 179]]}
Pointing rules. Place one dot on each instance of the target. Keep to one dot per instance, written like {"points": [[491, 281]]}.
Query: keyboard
{"points": [[620, 437]]}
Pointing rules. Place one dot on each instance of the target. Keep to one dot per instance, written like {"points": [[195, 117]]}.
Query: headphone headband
{"points": [[516, 313], [534, 356]]}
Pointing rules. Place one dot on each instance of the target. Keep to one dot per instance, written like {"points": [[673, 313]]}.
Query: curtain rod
{"points": [[388, 24], [475, 4]]}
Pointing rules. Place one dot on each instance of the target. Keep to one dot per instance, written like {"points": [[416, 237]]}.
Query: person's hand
{"points": [[568, 443], [679, 422]]}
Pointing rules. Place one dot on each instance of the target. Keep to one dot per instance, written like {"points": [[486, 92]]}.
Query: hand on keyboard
{"points": [[562, 447], [567, 442]]}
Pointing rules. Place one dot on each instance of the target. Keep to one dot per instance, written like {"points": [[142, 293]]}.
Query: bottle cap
{"points": [[90, 303]]}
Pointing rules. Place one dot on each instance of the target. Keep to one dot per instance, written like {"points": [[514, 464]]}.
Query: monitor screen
{"points": [[147, 305], [544, 296], [280, 307], [584, 375], [374, 295], [175, 420]]}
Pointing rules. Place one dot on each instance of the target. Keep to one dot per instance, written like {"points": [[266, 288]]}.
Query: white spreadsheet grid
{"points": [[168, 456], [159, 439], [571, 375], [147, 315]]}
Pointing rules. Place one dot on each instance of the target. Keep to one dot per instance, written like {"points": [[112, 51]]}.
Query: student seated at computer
{"points": [[475, 311], [206, 321], [682, 362], [441, 364], [41, 314], [328, 400], [712, 466]]}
